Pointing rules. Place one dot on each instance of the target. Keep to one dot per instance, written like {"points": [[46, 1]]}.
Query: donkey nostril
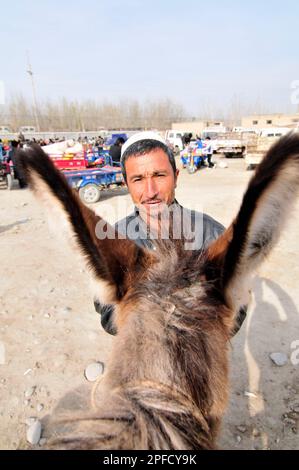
{"points": [[97, 305]]}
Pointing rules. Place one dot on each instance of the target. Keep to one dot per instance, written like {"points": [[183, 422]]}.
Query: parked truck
{"points": [[233, 144], [230, 145]]}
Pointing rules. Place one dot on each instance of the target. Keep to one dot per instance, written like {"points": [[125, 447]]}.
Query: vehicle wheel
{"points": [[90, 193], [191, 169], [10, 182], [3, 181]]}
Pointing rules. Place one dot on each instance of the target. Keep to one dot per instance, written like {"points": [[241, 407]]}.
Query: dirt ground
{"points": [[49, 331]]}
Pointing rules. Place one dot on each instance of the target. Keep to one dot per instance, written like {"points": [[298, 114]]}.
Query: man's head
{"points": [[119, 141], [150, 172], [14, 144]]}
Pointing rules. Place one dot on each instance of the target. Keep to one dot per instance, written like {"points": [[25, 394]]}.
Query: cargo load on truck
{"points": [[258, 145]]}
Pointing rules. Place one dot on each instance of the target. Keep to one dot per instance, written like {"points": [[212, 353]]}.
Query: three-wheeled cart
{"points": [[90, 182], [192, 159]]}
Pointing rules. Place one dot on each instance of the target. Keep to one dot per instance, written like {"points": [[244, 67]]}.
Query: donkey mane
{"points": [[166, 385]]}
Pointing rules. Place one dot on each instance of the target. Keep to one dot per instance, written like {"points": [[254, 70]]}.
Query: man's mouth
{"points": [[152, 202]]}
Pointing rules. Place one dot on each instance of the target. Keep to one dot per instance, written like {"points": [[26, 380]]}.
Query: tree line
{"points": [[89, 115]]}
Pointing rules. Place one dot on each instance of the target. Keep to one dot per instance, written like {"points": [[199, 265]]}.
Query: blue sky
{"points": [[202, 54]]}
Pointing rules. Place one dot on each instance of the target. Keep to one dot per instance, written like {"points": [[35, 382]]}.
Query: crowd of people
{"points": [[8, 148]]}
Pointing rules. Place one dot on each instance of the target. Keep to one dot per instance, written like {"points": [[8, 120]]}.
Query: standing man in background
{"points": [[208, 150], [115, 149]]}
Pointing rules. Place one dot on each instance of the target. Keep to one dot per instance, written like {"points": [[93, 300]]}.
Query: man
{"points": [[187, 139], [115, 149], [18, 173], [209, 151], [150, 172]]}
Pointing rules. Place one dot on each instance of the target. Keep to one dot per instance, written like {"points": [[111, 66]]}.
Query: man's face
{"points": [[151, 181]]}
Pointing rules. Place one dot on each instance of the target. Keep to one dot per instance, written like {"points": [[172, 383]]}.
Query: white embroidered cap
{"points": [[141, 136]]}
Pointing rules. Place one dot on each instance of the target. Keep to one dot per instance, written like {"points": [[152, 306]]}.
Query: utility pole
{"points": [[30, 72]]}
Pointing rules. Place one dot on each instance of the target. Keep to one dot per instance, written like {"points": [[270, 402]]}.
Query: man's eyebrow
{"points": [[136, 176], [153, 173]]}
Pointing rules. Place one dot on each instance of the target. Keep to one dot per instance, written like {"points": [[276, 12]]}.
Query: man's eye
{"points": [[136, 179]]}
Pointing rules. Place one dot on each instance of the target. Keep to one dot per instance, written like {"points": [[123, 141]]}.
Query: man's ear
{"points": [[266, 206], [114, 262]]}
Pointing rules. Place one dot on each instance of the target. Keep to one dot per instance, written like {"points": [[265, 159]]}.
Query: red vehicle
{"points": [[7, 175], [72, 163]]}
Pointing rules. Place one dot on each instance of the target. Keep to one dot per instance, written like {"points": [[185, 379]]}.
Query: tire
{"points": [[10, 182], [191, 169], [90, 193]]}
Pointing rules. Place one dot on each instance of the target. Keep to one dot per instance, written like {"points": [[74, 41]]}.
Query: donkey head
{"points": [[175, 309]]}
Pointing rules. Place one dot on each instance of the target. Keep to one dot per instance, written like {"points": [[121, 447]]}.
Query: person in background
{"points": [[1, 151], [209, 151], [115, 149], [199, 150], [187, 139], [21, 137], [14, 145]]}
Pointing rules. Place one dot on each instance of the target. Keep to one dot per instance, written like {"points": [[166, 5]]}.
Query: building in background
{"points": [[198, 127], [261, 121]]}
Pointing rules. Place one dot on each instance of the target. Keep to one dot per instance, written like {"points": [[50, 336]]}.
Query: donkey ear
{"points": [[112, 261], [266, 205]]}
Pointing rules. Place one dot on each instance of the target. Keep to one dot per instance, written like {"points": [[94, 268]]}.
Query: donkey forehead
{"points": [[172, 277], [177, 268], [153, 306]]}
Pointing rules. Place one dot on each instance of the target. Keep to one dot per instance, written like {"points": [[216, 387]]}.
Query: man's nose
{"points": [[151, 188]]}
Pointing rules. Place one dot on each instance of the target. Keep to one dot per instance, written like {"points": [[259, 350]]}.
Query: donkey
{"points": [[166, 385]]}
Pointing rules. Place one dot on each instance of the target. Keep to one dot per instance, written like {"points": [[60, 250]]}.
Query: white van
{"points": [[4, 130], [174, 138], [27, 129]]}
